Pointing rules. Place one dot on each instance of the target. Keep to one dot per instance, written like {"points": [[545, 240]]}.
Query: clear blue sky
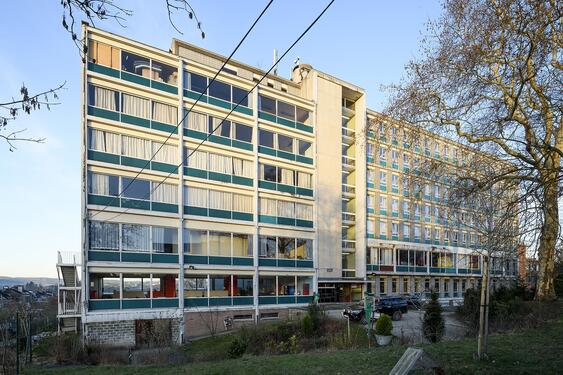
{"points": [[363, 42]]}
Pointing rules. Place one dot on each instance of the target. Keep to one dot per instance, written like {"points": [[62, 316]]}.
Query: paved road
{"points": [[409, 328]]}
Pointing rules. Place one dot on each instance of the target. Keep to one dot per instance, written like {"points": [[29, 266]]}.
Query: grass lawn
{"points": [[538, 351]]}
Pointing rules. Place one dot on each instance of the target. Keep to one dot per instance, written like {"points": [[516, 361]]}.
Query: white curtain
{"points": [[197, 121], [105, 98], [383, 228], [371, 176], [99, 184], [135, 106], [287, 176], [158, 239], [165, 193], [370, 201], [136, 237], [268, 206], [286, 209], [196, 197], [167, 153], [242, 203], [197, 159], [104, 235], [371, 227], [103, 141], [135, 147], [220, 163], [164, 113], [394, 205], [220, 200], [304, 180], [242, 167]]}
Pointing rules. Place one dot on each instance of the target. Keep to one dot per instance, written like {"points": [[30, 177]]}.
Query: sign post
{"points": [[368, 309]]}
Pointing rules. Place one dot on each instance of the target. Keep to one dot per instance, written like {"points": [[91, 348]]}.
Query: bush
{"points": [[383, 325], [433, 322], [307, 327], [314, 312], [237, 348]]}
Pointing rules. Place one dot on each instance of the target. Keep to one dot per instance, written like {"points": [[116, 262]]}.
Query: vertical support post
{"points": [[484, 283]]}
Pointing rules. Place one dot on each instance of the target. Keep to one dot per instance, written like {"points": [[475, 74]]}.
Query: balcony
{"points": [[348, 246], [348, 218], [348, 136], [348, 191], [348, 163], [68, 258]]}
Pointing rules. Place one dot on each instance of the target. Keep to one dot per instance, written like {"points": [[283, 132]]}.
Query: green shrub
{"points": [[383, 325], [307, 327], [237, 348], [433, 322], [314, 312]]}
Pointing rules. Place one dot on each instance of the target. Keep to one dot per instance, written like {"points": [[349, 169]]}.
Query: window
{"points": [[196, 197], [370, 202], [385, 257], [383, 203], [198, 83], [197, 121], [242, 203], [266, 138], [303, 116], [268, 206], [285, 143], [99, 184], [286, 285], [135, 147], [165, 240], [286, 248], [394, 229], [242, 286], [164, 113], [305, 148], [267, 285], [304, 285], [266, 104], [195, 242], [165, 193], [394, 181], [219, 285], [243, 133], [406, 162], [304, 249], [394, 206], [371, 176], [135, 237], [370, 224], [104, 286], [417, 232], [135, 189], [103, 141], [220, 200], [382, 153], [103, 236], [219, 127], [405, 208], [103, 54], [406, 230], [195, 286], [382, 228], [304, 180], [164, 73], [242, 245], [220, 90], [267, 248], [103, 98], [382, 178], [220, 244], [136, 286], [240, 96], [286, 110], [135, 64], [286, 209]]}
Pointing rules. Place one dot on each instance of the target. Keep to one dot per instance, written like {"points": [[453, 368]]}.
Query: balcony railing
{"points": [[68, 258], [348, 245], [348, 189], [348, 136], [348, 218]]}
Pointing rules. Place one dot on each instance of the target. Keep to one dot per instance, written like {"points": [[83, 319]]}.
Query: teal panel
{"points": [[242, 181], [164, 167], [286, 221], [304, 191], [137, 303], [286, 122], [103, 70], [244, 110], [463, 271], [135, 79], [196, 173], [167, 128], [196, 302], [286, 263], [220, 301], [305, 128], [135, 203], [267, 262], [266, 116], [239, 261], [449, 270], [267, 185], [220, 177], [190, 210], [103, 256], [286, 299], [219, 260], [286, 155], [267, 219], [103, 200], [103, 304], [133, 162], [165, 207], [434, 269], [219, 103], [135, 257], [395, 238], [420, 269], [164, 87], [304, 159], [402, 268], [219, 213], [304, 299], [304, 223], [165, 258], [286, 188], [270, 300], [220, 140], [103, 157], [104, 113], [266, 150], [194, 134], [135, 120], [243, 301], [304, 263], [382, 237], [164, 302], [195, 96], [242, 145], [371, 235], [195, 259], [242, 216]]}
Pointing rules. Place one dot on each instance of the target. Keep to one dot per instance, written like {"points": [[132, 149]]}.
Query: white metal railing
{"points": [[348, 216], [348, 245], [348, 189], [347, 160], [68, 258], [348, 132], [69, 302]]}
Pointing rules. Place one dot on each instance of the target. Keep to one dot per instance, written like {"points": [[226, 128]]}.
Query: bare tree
{"points": [[490, 76]]}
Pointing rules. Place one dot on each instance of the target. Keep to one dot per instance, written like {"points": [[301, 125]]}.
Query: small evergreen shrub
{"points": [[383, 325], [307, 327], [237, 348], [433, 323]]}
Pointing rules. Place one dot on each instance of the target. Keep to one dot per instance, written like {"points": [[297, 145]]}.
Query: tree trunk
{"points": [[545, 290]]}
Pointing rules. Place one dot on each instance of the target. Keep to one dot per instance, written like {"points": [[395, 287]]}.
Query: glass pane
{"points": [[220, 285], [304, 116], [240, 96], [267, 247], [135, 64], [165, 240], [243, 133], [242, 285], [270, 173], [164, 73], [304, 249], [304, 285], [110, 287], [135, 237], [266, 138], [195, 286], [242, 245], [136, 189], [195, 242], [198, 83], [220, 90], [136, 286], [286, 247], [220, 244], [266, 104], [286, 110], [286, 285], [305, 148], [285, 143], [267, 285]]}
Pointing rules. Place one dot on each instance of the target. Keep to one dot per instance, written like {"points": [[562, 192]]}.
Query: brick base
{"points": [[121, 333]]}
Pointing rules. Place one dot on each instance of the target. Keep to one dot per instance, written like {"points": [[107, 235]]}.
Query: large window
{"points": [[243, 133], [220, 90], [195, 286], [304, 249], [136, 286], [103, 54], [104, 286], [197, 83], [135, 237], [104, 236], [242, 245], [135, 188], [266, 104], [195, 242], [220, 244], [267, 247], [286, 247], [242, 285], [103, 98], [284, 110], [103, 141], [100, 184], [220, 285], [165, 240], [266, 138], [267, 285], [217, 89], [135, 64]]}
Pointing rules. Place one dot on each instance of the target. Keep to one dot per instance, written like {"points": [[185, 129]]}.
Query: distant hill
{"points": [[9, 281]]}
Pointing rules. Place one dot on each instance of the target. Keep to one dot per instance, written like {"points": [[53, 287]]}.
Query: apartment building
{"points": [[256, 198]]}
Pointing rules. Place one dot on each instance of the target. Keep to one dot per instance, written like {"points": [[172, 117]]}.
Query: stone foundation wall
{"points": [[121, 333]]}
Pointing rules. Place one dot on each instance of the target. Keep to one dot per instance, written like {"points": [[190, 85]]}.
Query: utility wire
{"points": [[186, 114], [231, 111]]}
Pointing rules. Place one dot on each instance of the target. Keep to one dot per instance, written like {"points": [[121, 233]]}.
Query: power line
{"points": [[186, 114], [236, 106]]}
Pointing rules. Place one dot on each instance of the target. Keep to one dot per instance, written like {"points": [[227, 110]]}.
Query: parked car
{"points": [[394, 306], [356, 313]]}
